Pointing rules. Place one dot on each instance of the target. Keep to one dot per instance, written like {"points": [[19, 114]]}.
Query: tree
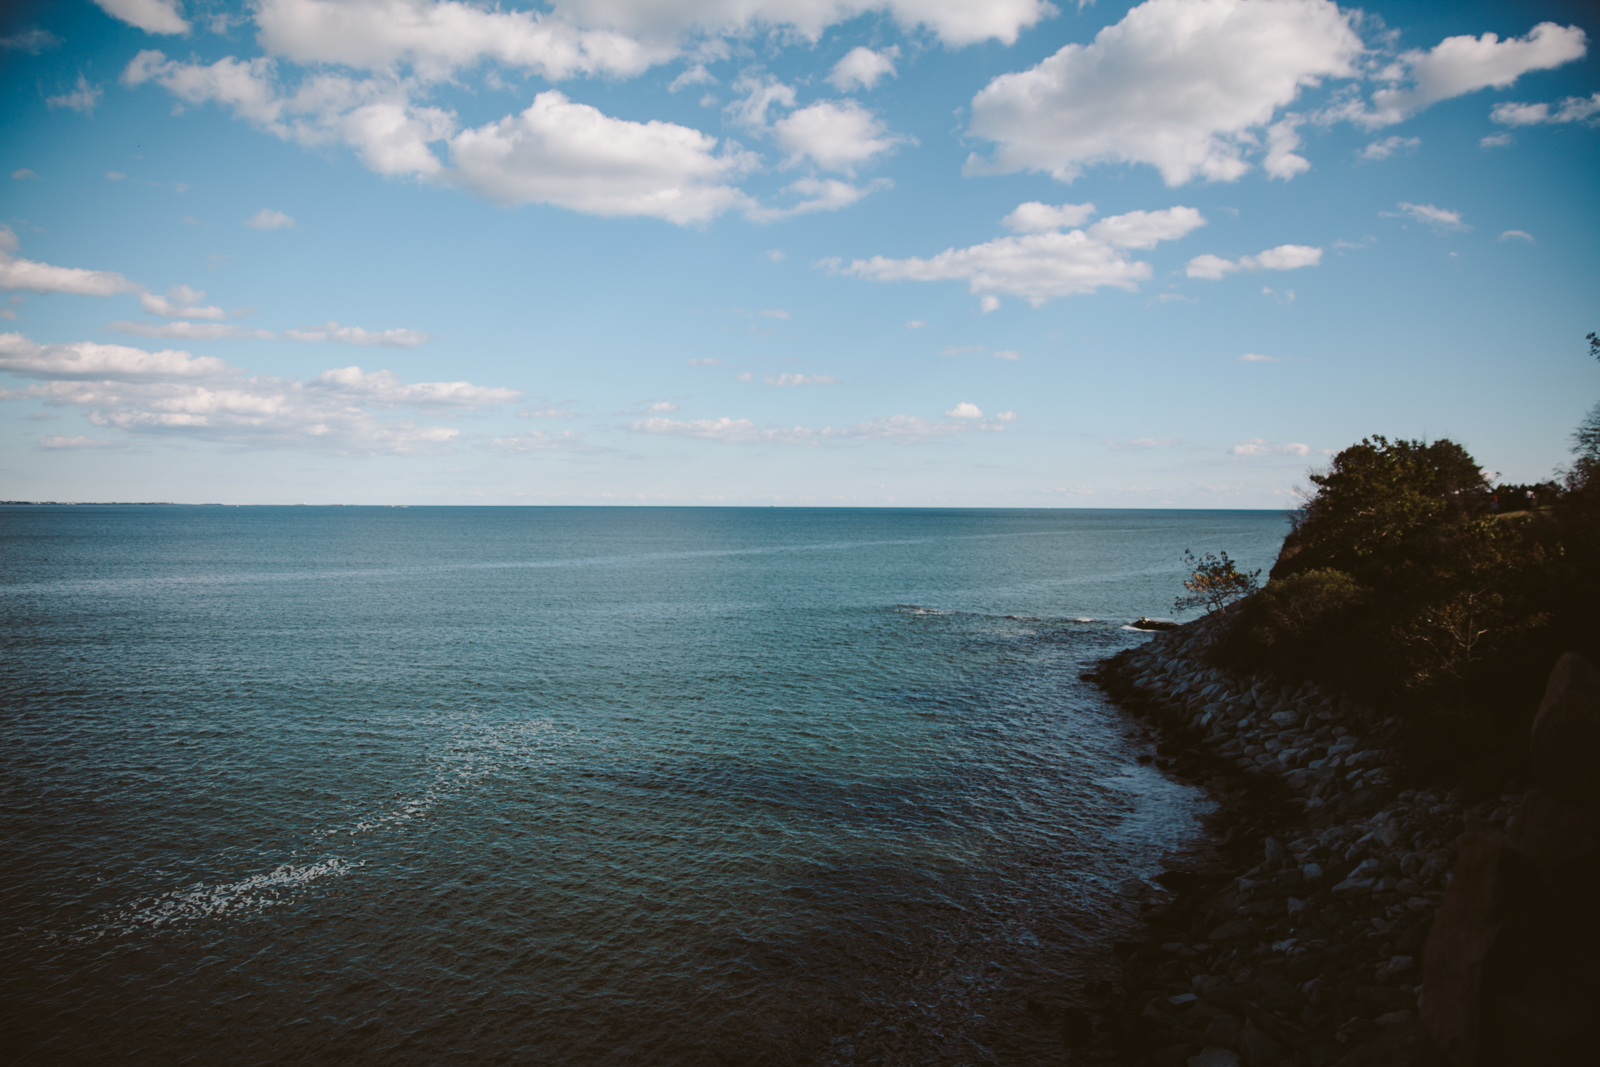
{"points": [[1376, 500], [1215, 583]]}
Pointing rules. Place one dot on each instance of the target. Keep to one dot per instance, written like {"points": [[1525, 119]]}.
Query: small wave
{"points": [[200, 901], [1083, 618], [913, 609]]}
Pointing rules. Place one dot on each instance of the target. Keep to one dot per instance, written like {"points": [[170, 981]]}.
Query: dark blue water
{"points": [[586, 786]]}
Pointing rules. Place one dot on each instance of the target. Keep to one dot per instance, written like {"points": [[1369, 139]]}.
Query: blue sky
{"points": [[923, 252]]}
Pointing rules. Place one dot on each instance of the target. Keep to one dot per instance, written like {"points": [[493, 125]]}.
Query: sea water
{"points": [[569, 785]]}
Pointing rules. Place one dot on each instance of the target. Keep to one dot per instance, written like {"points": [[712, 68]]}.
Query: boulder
{"points": [[1566, 732]]}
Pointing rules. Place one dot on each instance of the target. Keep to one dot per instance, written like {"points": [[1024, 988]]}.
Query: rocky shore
{"points": [[1294, 937]]}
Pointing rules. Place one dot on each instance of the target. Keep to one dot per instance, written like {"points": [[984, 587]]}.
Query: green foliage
{"points": [[1215, 583], [1377, 500]]}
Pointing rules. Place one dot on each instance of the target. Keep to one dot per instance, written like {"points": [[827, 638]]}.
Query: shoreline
{"points": [[1291, 933]]}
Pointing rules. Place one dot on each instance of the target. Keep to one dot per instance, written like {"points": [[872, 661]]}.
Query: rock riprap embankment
{"points": [[1295, 937]]}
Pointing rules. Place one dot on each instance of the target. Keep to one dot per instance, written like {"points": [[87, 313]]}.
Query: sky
{"points": [[1009, 253]]}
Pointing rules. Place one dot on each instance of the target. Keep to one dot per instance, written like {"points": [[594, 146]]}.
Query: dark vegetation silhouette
{"points": [[1411, 581]]}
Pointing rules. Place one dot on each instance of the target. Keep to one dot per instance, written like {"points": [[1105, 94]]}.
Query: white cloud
{"points": [[1281, 160], [31, 41], [24, 173], [964, 410], [762, 91], [1007, 354], [915, 324], [375, 117], [190, 331], [904, 429], [695, 75], [1572, 109], [663, 405], [1460, 65], [84, 98], [267, 219], [1495, 140], [535, 441], [707, 361], [1187, 86], [1389, 146], [547, 411], [355, 335], [151, 16], [774, 313], [862, 67], [1439, 218], [174, 394], [1034, 217], [799, 379], [1257, 446], [577, 157], [43, 278], [52, 444], [180, 303], [818, 194], [438, 39], [1042, 266], [1256, 357], [1284, 257], [776, 255], [835, 135], [115, 176], [1518, 235], [954, 23], [1140, 444], [22, 357]]}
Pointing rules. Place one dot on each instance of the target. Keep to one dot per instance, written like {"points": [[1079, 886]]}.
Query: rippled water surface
{"points": [[585, 786]]}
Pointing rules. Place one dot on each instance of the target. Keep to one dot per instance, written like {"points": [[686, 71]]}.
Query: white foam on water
{"points": [[470, 752]]}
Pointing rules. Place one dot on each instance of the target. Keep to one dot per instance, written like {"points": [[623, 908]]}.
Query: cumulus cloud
{"points": [[535, 441], [355, 335], [174, 394], [1460, 65], [1518, 235], [1140, 444], [964, 410], [835, 135], [190, 331], [60, 443], [862, 67], [31, 41], [816, 194], [437, 39], [1389, 146], [903, 429], [375, 117], [267, 219], [1034, 217], [1284, 257], [1040, 267], [799, 379], [1495, 140], [1572, 109], [1440, 219], [1257, 446], [84, 98], [1186, 86], [16, 273], [577, 157], [181, 302], [151, 16]]}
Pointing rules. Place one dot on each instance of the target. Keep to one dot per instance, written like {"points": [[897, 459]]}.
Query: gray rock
{"points": [[1566, 732]]}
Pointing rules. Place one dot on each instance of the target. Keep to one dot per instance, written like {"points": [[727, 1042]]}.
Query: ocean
{"points": [[573, 785]]}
